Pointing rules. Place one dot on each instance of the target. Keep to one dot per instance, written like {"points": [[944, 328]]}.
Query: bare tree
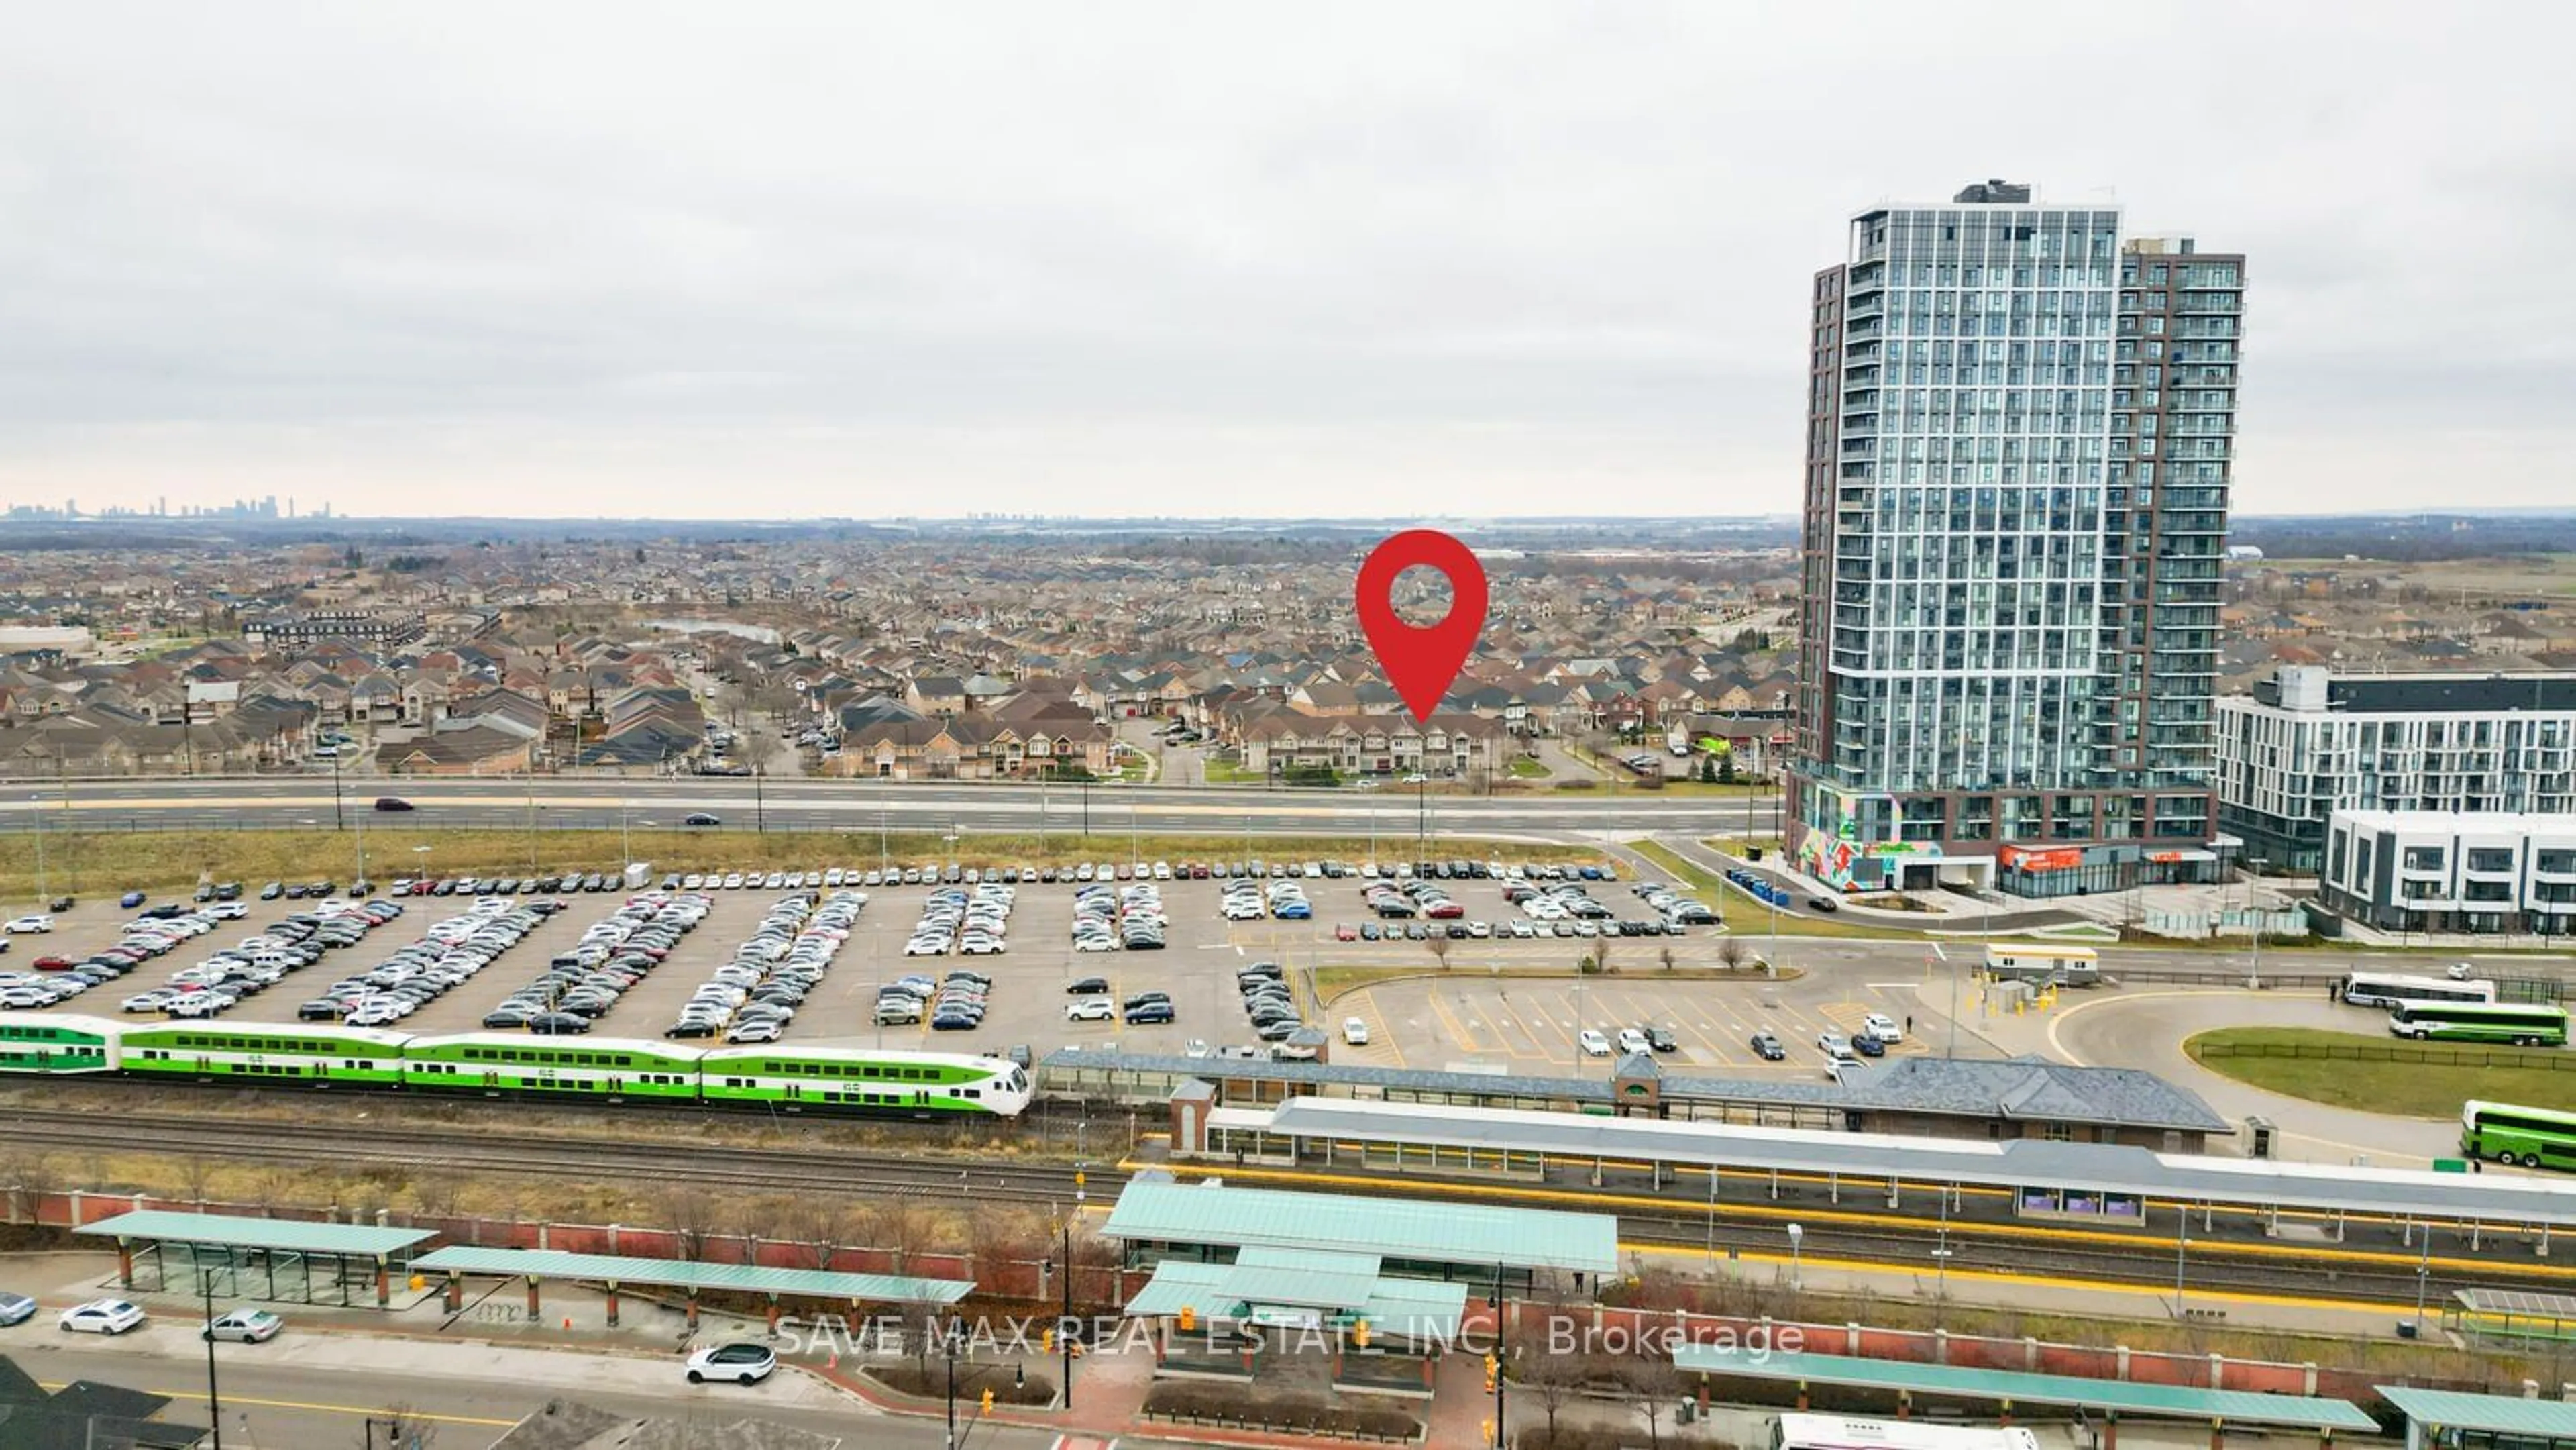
{"points": [[31, 1177], [437, 1193], [1552, 1381], [820, 1225], [689, 1212], [1657, 1388], [1666, 956], [1439, 947], [404, 1427], [902, 1227], [1601, 953], [1730, 950], [278, 1185], [196, 1172]]}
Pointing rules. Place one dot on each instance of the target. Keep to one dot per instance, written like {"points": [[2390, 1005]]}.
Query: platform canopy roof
{"points": [[2492, 1414], [681, 1274], [2127, 1397], [1398, 1307], [1413, 1231], [276, 1235]]}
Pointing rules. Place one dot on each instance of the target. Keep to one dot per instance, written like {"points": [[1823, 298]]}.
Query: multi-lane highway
{"points": [[800, 805]]}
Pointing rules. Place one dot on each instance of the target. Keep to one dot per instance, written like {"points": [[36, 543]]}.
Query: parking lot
{"points": [[1480, 1021], [1030, 979]]}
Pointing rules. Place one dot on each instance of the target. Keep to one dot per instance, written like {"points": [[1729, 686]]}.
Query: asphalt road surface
{"points": [[643, 804], [286, 1406]]}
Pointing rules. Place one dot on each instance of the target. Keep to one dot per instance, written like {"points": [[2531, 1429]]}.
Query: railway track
{"points": [[761, 1170], [2208, 1268]]}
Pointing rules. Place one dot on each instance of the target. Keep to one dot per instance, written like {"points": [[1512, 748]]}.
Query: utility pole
{"points": [[759, 804], [37, 805], [339, 816]]}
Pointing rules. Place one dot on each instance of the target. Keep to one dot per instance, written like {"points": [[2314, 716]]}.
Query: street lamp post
{"points": [[1797, 1235], [1501, 1438], [948, 1341], [214, 1405]]}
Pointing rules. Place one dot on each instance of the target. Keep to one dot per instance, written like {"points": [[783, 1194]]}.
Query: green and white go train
{"points": [[775, 1077]]}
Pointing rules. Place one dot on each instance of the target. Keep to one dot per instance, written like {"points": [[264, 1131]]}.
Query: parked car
{"points": [[1091, 1009], [129, 901], [1834, 1044], [24, 925], [244, 1326], [742, 1363], [1767, 1047], [15, 1309], [101, 1316], [1594, 1043], [1355, 1032]]}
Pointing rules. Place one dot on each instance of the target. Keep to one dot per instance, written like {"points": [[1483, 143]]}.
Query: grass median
{"points": [[1746, 916], [93, 862], [2382, 1075]]}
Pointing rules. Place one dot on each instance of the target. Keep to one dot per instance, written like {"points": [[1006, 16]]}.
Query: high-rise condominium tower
{"points": [[2019, 432]]}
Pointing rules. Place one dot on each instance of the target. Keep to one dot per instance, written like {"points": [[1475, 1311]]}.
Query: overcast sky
{"points": [[1481, 259]]}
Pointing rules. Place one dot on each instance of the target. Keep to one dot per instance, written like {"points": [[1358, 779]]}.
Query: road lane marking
{"points": [[199, 1396]]}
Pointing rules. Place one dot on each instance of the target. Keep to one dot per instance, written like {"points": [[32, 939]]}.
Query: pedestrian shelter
{"points": [[2457, 1421], [613, 1272], [2007, 1389], [274, 1260]]}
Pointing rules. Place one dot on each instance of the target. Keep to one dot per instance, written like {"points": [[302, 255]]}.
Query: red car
{"points": [[1346, 932], [55, 964]]}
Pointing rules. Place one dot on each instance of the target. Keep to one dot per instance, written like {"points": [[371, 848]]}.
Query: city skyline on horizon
{"points": [[872, 266]]}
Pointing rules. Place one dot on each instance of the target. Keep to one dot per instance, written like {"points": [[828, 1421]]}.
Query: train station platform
{"points": [[2460, 1421], [615, 1271], [269, 1259], [1999, 1391]]}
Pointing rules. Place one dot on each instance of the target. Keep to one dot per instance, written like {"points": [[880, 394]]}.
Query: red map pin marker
{"points": [[1422, 663]]}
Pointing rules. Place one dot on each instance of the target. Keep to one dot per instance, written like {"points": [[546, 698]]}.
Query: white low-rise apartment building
{"points": [[2452, 871], [2307, 743]]}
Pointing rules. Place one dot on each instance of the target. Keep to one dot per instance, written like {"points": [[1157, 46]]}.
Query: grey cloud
{"points": [[1492, 257]]}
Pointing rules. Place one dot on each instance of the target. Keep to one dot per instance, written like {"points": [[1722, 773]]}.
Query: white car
{"points": [[1882, 1027], [1632, 1040], [1836, 1045], [27, 925], [1594, 1044], [742, 1363], [1091, 1009], [101, 1316], [244, 1326], [1355, 1032]]}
